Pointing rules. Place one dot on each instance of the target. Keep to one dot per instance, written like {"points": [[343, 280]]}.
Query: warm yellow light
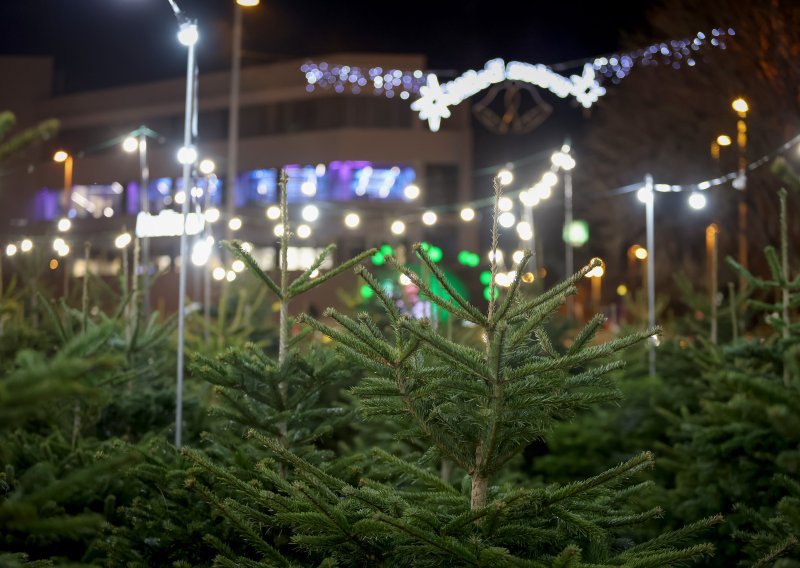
{"points": [[467, 214], [596, 272], [248, 3], [53, 263], [640, 253], [528, 277], [724, 140], [740, 105], [622, 290], [60, 156]]}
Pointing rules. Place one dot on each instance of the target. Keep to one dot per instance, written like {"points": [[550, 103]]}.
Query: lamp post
{"points": [[741, 107], [64, 157], [647, 196], [233, 110], [188, 36], [137, 141]]}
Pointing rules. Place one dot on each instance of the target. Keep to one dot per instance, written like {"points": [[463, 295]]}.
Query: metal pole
{"points": [[568, 250], [233, 118], [741, 143], [187, 170], [144, 206], [651, 264]]}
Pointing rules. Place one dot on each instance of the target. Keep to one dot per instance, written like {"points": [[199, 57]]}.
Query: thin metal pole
{"points": [[187, 170], [233, 118], [569, 261], [651, 264], [144, 206]]}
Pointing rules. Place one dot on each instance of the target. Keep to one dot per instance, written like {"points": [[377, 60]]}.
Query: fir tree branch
{"points": [[236, 248], [295, 291]]}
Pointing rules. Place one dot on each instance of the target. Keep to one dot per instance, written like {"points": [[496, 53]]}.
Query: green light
{"points": [[435, 254], [464, 257], [378, 258], [487, 293], [486, 277], [366, 291], [386, 250], [425, 246], [576, 233], [474, 260]]}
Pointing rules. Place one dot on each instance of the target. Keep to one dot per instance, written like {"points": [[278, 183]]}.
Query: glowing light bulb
{"points": [[273, 212], [60, 156], [278, 230], [352, 220], [188, 34], [303, 231], [518, 256], [467, 214], [26, 245], [237, 265], [230, 276], [622, 290], [640, 253], [130, 144], [404, 280], [549, 179], [235, 224], [398, 227], [64, 224], [187, 155], [524, 230], [122, 240], [201, 252], [429, 218], [697, 200], [724, 140], [645, 195], [308, 188], [505, 177], [11, 249], [218, 273], [411, 191], [207, 167], [310, 213], [740, 105], [63, 251], [58, 242], [505, 204], [506, 220], [529, 198], [211, 215]]}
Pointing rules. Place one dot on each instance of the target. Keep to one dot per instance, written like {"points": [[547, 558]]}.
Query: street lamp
{"points": [[233, 111], [646, 196], [137, 142], [64, 157], [188, 35], [741, 107]]}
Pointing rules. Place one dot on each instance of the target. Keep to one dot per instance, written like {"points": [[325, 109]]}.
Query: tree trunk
{"points": [[479, 485]]}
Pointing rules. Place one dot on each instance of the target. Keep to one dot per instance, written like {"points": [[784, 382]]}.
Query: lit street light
{"points": [[741, 107], [233, 108], [64, 157]]}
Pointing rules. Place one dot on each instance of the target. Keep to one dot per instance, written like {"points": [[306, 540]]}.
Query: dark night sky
{"points": [[100, 43]]}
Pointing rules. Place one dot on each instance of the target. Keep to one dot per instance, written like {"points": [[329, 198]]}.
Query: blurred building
{"points": [[343, 153]]}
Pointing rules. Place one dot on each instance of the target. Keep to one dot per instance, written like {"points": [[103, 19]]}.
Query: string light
{"points": [[207, 167], [506, 219], [201, 251], [303, 231], [273, 212], [435, 98], [310, 213], [411, 191], [26, 245], [529, 198], [697, 200], [352, 220], [230, 276], [429, 218], [524, 230], [218, 273], [467, 214], [505, 177], [724, 140], [237, 266], [398, 227], [211, 215], [235, 224], [505, 204], [64, 224], [404, 280], [187, 155], [517, 256], [308, 188], [122, 240], [277, 230], [11, 249]]}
